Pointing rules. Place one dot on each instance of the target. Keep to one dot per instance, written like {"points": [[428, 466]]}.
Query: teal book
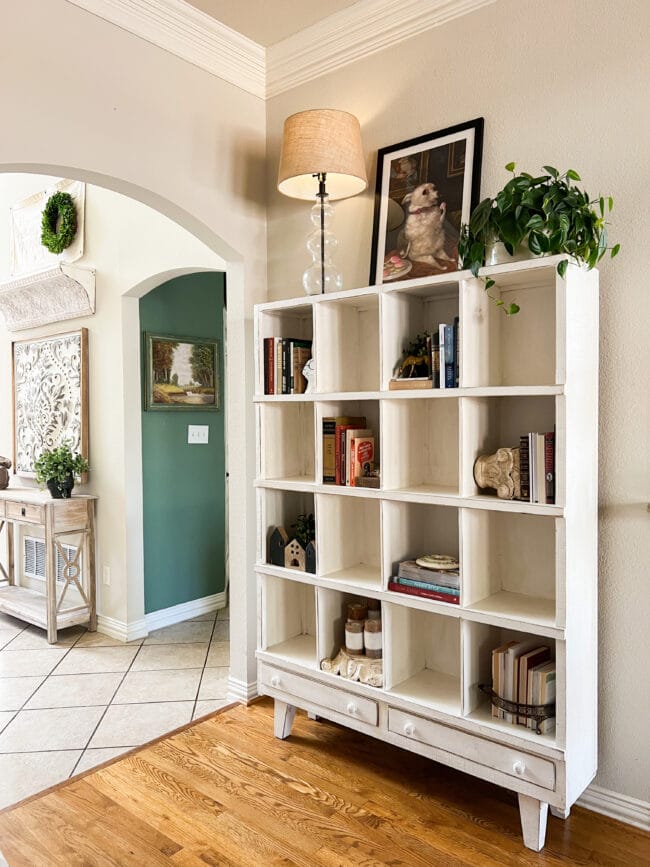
{"points": [[423, 585]]}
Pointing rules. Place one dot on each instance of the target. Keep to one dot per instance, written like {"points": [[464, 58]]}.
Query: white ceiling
{"points": [[269, 21]]}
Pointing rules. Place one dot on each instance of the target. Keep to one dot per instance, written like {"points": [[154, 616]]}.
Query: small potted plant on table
{"points": [[58, 469]]}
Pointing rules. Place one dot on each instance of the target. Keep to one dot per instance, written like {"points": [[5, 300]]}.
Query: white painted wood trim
{"points": [[351, 34], [191, 35], [332, 43], [239, 690], [185, 611], [121, 631], [622, 807]]}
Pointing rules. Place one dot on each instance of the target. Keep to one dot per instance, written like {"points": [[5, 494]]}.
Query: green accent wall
{"points": [[183, 485]]}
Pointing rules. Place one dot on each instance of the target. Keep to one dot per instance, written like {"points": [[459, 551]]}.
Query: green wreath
{"points": [[59, 223]]}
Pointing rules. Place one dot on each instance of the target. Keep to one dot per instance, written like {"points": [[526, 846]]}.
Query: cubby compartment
{"points": [[479, 640], [515, 350], [280, 509], [368, 409], [288, 628], [332, 613], [410, 530], [287, 437], [349, 543], [409, 312], [285, 321], [510, 564], [348, 337], [423, 662], [421, 436], [490, 423]]}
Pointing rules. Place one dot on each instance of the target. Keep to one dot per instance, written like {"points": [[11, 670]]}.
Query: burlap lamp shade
{"points": [[321, 141]]}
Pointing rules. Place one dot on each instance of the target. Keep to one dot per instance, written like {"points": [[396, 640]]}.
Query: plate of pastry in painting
{"points": [[395, 266], [439, 562]]}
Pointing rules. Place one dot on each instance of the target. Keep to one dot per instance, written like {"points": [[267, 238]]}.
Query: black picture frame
{"points": [[450, 160]]}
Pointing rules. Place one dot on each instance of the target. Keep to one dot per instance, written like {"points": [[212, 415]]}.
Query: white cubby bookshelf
{"points": [[527, 570]]}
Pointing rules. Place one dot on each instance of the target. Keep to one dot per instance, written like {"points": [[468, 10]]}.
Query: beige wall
{"points": [[128, 244], [559, 83], [83, 98]]}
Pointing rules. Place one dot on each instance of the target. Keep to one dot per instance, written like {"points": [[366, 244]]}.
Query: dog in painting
{"points": [[423, 236]]}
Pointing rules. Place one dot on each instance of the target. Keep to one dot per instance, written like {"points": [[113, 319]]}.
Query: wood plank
{"points": [[226, 792]]}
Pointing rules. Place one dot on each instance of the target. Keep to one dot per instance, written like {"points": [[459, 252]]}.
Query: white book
{"points": [[441, 337], [532, 466], [511, 679], [540, 467]]}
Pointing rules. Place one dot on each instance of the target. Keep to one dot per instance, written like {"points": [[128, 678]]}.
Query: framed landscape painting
{"points": [[181, 373], [426, 188]]}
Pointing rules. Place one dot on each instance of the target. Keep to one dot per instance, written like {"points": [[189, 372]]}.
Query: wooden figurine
{"points": [[294, 556], [310, 557], [277, 544], [5, 464], [499, 471]]}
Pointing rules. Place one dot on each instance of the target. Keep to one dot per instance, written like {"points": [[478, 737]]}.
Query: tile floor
{"points": [[67, 707]]}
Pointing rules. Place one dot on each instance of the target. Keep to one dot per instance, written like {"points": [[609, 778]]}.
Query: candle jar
{"points": [[374, 609], [372, 639], [354, 637]]}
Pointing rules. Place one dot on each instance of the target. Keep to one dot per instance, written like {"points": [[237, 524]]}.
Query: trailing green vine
{"points": [[59, 222]]}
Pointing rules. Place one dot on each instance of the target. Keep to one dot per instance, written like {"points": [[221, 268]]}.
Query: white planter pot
{"points": [[496, 254]]}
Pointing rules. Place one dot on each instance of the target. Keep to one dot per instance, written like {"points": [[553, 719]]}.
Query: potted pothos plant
{"points": [[540, 215], [58, 469]]}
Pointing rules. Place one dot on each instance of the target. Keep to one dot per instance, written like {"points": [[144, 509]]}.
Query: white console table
{"points": [[74, 603]]}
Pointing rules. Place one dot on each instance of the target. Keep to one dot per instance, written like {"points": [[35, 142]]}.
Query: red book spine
{"points": [[339, 453], [425, 594], [269, 365]]}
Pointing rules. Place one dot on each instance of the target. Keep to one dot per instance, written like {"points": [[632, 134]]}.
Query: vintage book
{"points": [[442, 332], [348, 434], [511, 681], [524, 468], [532, 466], [425, 594], [301, 355], [278, 366], [498, 675], [540, 465], [269, 365], [456, 356], [541, 690], [450, 380], [410, 569], [360, 454], [549, 465], [435, 360], [329, 444], [527, 661], [425, 585], [411, 382], [286, 363], [340, 444]]}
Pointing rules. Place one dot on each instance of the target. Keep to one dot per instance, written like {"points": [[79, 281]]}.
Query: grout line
{"points": [[205, 662]]}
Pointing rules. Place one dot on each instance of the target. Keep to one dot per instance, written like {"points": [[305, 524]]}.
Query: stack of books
{"points": [[537, 467], [443, 345], [434, 584], [522, 672], [284, 359], [348, 450]]}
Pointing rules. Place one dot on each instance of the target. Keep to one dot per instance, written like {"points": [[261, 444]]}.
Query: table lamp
{"points": [[321, 156]]}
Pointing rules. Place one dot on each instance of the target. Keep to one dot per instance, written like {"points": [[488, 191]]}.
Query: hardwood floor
{"points": [[225, 791]]}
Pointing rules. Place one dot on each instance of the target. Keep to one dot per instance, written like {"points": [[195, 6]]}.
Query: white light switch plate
{"points": [[198, 433]]}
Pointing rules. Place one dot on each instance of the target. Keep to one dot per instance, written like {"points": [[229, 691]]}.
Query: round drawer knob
{"points": [[409, 729], [519, 768], [275, 680], [351, 708]]}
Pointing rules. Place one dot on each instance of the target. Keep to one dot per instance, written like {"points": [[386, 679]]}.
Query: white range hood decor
{"points": [[51, 295]]}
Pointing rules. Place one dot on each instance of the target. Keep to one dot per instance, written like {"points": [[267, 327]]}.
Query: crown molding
{"points": [[338, 40], [191, 35], [353, 33]]}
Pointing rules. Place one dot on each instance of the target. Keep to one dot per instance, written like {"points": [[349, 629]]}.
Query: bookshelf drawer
{"points": [[25, 512], [515, 763], [354, 706]]}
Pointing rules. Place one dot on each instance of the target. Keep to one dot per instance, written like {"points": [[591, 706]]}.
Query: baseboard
{"points": [[616, 806], [240, 690], [185, 611], [121, 631]]}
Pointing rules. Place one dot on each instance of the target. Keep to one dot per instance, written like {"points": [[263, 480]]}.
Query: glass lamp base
{"points": [[312, 280]]}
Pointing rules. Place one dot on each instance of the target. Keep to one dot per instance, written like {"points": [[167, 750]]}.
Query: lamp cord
{"points": [[322, 176]]}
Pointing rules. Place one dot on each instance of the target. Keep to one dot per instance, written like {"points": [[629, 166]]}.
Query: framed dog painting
{"points": [[426, 188]]}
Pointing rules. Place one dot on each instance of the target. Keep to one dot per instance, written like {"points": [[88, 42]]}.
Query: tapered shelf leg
{"points": [[533, 814], [560, 813], [283, 715]]}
